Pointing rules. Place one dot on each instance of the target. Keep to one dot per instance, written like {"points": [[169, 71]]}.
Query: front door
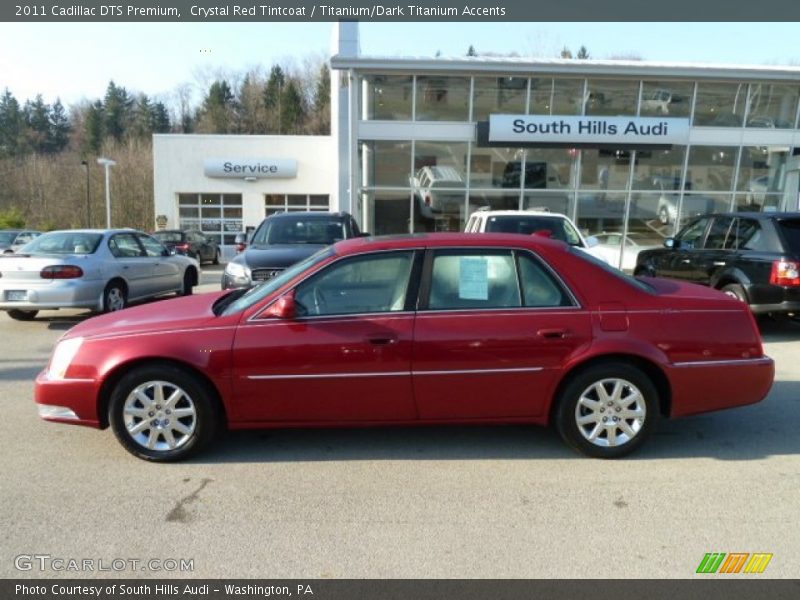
{"points": [[493, 335], [347, 354]]}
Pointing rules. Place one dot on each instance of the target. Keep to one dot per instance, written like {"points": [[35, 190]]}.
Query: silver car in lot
{"points": [[96, 269]]}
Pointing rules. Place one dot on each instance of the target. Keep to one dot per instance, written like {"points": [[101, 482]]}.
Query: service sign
{"points": [[550, 129], [250, 168]]}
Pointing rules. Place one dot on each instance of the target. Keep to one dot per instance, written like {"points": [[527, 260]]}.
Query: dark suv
{"points": [[283, 240], [752, 256]]}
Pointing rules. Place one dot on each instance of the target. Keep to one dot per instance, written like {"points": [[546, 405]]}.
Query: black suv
{"points": [[752, 256], [284, 239]]}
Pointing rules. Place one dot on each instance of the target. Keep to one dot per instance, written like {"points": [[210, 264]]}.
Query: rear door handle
{"points": [[552, 334], [382, 340]]}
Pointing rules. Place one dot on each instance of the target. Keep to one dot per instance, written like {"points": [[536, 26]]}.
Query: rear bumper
{"points": [[705, 386], [72, 401], [56, 294], [774, 299]]}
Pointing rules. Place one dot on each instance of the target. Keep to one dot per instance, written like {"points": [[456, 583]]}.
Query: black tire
{"points": [[188, 282], [115, 296], [583, 385], [199, 428], [216, 257], [735, 291], [22, 315]]}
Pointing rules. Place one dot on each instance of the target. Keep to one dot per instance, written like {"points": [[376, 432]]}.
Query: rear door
{"points": [[716, 253], [167, 273], [678, 263], [493, 331]]}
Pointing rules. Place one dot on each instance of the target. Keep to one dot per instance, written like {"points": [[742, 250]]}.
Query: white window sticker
{"points": [[473, 279]]}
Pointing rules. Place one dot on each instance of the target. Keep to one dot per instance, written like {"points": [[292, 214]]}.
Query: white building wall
{"points": [[178, 168]]}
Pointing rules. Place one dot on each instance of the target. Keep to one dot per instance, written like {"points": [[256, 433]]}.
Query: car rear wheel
{"points": [[734, 290], [608, 410], [188, 283], [22, 315], [114, 297], [161, 413]]}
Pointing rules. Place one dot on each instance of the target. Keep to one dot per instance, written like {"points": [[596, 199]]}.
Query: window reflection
{"points": [[666, 98], [773, 105], [611, 97], [498, 95], [386, 163], [556, 96], [720, 104], [386, 97], [711, 168], [605, 169], [442, 98]]}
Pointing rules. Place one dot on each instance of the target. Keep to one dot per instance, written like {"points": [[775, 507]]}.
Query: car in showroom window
{"points": [[407, 330]]}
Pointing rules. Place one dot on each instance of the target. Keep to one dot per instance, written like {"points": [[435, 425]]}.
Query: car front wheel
{"points": [[608, 410], [161, 413]]}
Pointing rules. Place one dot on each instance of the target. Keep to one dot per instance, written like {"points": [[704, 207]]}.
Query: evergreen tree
{"points": [[161, 122], [60, 127], [583, 53], [94, 128], [273, 96], [142, 123], [216, 115], [322, 102], [293, 111], [12, 125], [118, 107], [471, 51], [566, 52], [37, 121]]}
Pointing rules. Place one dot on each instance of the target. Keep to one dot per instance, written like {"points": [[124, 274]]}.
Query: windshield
{"points": [[168, 236], [300, 231], [615, 272], [259, 292], [6, 237], [560, 229], [64, 242]]}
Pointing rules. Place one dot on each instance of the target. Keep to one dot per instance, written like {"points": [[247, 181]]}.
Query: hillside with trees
{"points": [[48, 152]]}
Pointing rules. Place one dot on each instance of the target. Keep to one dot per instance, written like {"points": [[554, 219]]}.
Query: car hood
{"points": [[278, 255], [161, 316]]}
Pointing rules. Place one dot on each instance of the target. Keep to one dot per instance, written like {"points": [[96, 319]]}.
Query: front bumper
{"points": [[72, 401], [51, 295], [229, 282]]}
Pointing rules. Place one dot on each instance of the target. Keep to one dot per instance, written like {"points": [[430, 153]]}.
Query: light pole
{"points": [[107, 163], [85, 163]]}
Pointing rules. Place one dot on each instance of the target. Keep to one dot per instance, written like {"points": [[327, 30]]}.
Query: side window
{"points": [[572, 237], [470, 225], [539, 288], [151, 246], [124, 245], [718, 233], [692, 236], [374, 283], [474, 279], [750, 236]]}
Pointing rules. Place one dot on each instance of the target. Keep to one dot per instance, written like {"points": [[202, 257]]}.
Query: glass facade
{"points": [[420, 181], [218, 216]]}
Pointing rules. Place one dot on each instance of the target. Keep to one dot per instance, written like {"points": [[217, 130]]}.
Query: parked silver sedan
{"points": [[97, 269]]}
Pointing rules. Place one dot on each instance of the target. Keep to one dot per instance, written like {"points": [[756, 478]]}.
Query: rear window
{"points": [[168, 236], [790, 228], [64, 242], [301, 231], [559, 229]]}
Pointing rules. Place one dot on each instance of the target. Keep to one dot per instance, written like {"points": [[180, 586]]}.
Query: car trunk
{"points": [[27, 268]]}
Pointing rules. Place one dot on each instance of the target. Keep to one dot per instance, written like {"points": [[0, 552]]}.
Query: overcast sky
{"points": [[75, 61]]}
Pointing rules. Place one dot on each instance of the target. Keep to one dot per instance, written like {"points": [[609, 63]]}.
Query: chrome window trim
{"points": [[725, 362]]}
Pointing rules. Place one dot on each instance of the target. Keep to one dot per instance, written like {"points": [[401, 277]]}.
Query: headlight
{"points": [[62, 357], [236, 270]]}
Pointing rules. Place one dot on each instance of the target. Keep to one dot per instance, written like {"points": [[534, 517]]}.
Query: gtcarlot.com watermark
{"points": [[60, 564]]}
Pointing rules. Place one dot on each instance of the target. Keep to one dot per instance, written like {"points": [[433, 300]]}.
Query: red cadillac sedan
{"points": [[423, 329]]}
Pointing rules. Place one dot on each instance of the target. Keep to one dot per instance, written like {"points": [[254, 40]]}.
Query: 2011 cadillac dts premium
{"points": [[426, 329]]}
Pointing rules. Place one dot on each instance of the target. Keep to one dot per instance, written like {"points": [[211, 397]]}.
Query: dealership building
{"points": [[417, 144]]}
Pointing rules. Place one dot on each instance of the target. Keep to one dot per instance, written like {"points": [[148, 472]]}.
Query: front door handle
{"points": [[552, 334]]}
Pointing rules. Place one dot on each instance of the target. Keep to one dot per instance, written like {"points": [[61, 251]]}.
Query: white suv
{"points": [[438, 190], [529, 222]]}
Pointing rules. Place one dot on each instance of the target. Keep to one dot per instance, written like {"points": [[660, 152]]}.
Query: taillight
{"points": [[428, 200], [785, 272], [61, 272], [183, 247]]}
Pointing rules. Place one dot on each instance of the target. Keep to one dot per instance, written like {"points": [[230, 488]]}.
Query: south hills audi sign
{"points": [[550, 129]]}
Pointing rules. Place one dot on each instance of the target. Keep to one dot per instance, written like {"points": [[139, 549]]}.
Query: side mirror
{"points": [[672, 243], [283, 308], [592, 241]]}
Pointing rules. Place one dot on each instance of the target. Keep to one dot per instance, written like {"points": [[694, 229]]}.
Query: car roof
{"points": [[309, 214], [444, 240], [519, 213]]}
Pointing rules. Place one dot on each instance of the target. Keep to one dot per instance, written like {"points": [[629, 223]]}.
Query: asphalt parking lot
{"points": [[477, 502]]}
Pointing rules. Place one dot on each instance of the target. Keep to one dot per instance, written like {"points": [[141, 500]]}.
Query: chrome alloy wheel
{"points": [[115, 299], [159, 415], [610, 412]]}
